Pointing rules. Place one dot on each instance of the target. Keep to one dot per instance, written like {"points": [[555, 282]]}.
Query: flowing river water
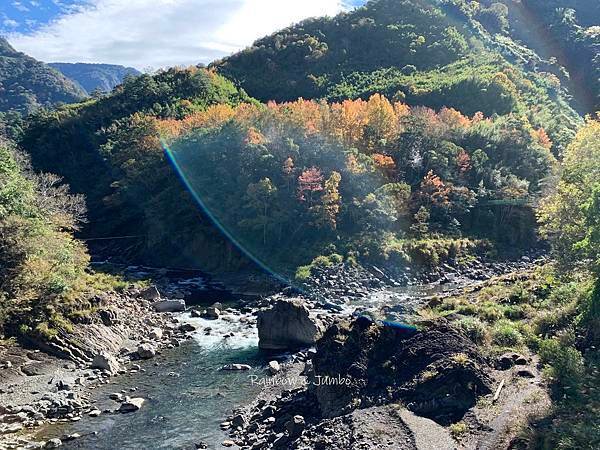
{"points": [[187, 395]]}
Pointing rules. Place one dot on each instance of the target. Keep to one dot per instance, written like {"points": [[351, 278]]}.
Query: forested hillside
{"points": [[424, 53], [488, 144], [27, 84], [365, 179], [557, 36], [95, 77], [42, 265], [73, 141]]}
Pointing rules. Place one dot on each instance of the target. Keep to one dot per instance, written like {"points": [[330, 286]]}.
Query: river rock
{"points": [[109, 317], [212, 313], [150, 293], [238, 421], [287, 325], [236, 367], [116, 396], [295, 426], [53, 443], [169, 305], [146, 351], [131, 404], [106, 361], [274, 367], [155, 334], [187, 328]]}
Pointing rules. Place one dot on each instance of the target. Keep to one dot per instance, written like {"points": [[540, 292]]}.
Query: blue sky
{"points": [[149, 34]]}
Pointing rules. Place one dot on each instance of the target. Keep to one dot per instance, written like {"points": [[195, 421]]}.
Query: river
{"points": [[187, 395]]}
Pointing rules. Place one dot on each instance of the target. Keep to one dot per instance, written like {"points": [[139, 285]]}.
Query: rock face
{"points": [[287, 325], [437, 372], [169, 306], [106, 361]]}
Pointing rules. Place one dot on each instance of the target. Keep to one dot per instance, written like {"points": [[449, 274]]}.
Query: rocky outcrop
{"points": [[287, 325], [436, 371]]}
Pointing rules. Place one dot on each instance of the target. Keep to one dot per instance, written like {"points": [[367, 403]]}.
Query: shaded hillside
{"points": [[27, 84], [94, 77], [430, 53], [74, 140]]}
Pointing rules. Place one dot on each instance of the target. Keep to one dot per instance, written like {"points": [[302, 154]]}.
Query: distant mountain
{"points": [[27, 84], [91, 77]]}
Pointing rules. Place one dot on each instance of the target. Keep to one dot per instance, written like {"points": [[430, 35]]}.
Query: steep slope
{"points": [[27, 84], [561, 37], [94, 77]]}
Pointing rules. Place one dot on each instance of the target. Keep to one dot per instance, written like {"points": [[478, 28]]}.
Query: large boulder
{"points": [[287, 325], [169, 306], [106, 361]]}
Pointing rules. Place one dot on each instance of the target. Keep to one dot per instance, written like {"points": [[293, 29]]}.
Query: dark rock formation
{"points": [[437, 372]]}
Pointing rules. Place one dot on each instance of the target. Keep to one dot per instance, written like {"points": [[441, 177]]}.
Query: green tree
{"points": [[260, 198], [571, 216]]}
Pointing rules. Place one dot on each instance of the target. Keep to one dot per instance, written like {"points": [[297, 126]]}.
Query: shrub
{"points": [[475, 329], [505, 334], [564, 364], [458, 429], [303, 273]]}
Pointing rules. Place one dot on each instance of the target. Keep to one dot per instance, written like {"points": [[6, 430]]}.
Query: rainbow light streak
{"points": [[181, 174]]}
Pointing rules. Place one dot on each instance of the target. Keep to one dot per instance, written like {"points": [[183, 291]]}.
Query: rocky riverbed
{"points": [[130, 365]]}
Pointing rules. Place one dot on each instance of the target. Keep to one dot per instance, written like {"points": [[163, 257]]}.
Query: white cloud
{"points": [[9, 23], [160, 33], [20, 6]]}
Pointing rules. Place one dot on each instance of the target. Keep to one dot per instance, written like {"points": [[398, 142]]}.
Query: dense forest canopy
{"points": [[294, 180]]}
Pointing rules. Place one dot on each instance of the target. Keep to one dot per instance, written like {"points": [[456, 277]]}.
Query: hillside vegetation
{"points": [[365, 179], [42, 265], [424, 53], [72, 140]]}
